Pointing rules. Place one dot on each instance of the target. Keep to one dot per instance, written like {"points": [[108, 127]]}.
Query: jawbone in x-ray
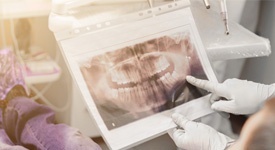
{"points": [[140, 80]]}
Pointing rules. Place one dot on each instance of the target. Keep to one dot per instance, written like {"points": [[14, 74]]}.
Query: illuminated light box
{"points": [[132, 75]]}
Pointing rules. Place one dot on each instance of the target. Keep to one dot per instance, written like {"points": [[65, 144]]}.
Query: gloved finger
{"points": [[178, 136], [224, 106], [203, 84], [216, 88], [214, 97], [181, 121]]}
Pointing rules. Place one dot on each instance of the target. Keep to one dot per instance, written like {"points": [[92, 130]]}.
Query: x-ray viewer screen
{"points": [[143, 79]]}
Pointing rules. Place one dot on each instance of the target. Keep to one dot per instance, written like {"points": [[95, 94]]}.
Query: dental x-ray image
{"points": [[143, 79]]}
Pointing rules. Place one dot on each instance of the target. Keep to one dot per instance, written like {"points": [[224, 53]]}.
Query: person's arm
{"points": [[193, 135], [241, 96]]}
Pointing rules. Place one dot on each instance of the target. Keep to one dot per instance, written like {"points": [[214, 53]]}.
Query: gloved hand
{"points": [[243, 97], [197, 136]]}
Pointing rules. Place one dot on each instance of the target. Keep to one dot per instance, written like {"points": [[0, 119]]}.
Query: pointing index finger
{"points": [[203, 84]]}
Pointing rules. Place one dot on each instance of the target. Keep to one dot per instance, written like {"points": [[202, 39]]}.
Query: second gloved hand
{"points": [[243, 97], [197, 136]]}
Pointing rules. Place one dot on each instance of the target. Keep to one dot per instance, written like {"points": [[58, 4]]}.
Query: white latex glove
{"points": [[243, 97], [197, 136]]}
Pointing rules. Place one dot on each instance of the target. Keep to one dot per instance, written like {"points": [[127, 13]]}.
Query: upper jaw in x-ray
{"points": [[143, 81]]}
